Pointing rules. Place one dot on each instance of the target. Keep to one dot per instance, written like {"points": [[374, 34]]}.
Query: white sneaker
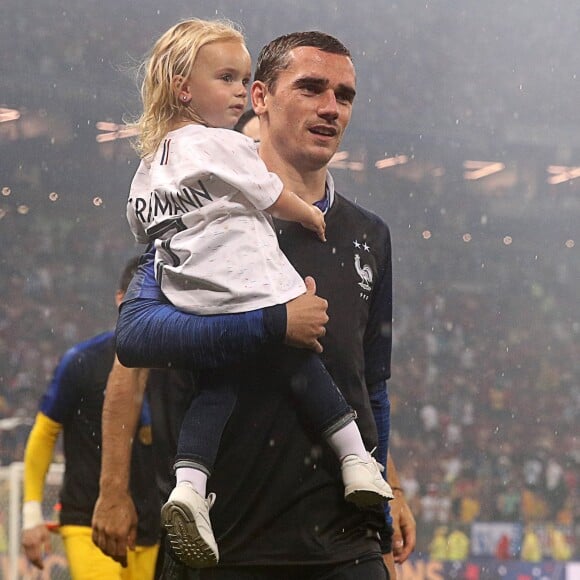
{"points": [[363, 483], [185, 516]]}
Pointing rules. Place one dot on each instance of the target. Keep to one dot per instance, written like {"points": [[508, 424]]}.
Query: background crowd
{"points": [[486, 365], [485, 391]]}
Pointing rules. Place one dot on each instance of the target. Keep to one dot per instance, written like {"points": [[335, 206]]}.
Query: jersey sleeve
{"points": [[378, 334], [138, 192], [152, 333], [377, 350], [234, 158], [381, 406], [38, 455]]}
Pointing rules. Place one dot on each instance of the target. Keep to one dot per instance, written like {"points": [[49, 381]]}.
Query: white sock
{"points": [[348, 441], [196, 477]]}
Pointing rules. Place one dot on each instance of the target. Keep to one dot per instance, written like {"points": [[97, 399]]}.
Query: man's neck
{"points": [[310, 185]]}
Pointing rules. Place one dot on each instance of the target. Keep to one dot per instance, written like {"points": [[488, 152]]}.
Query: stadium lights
{"points": [[562, 173], [391, 161], [9, 115], [480, 169], [113, 131], [340, 156], [339, 161]]}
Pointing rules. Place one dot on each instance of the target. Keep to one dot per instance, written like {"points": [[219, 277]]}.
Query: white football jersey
{"points": [[201, 200]]}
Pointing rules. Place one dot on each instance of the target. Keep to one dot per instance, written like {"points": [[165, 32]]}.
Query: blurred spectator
{"points": [[559, 547], [508, 501], [435, 506], [438, 545], [531, 547], [503, 548], [457, 545]]}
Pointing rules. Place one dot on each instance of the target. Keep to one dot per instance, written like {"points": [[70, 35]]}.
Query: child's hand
{"points": [[316, 223]]}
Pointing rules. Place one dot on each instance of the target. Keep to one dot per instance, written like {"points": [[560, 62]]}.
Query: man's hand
{"points": [[405, 528], [390, 564], [36, 543], [306, 319], [115, 525]]}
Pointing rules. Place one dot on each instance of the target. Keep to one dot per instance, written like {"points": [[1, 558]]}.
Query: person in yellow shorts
{"points": [[86, 561], [72, 405]]}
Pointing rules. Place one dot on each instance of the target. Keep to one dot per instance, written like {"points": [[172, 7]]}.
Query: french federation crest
{"points": [[365, 273]]}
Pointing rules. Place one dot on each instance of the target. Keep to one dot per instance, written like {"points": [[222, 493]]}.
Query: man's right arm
{"points": [[114, 517], [152, 333]]}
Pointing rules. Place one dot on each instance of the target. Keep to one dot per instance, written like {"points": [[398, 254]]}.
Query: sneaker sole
{"points": [[363, 498], [184, 537]]}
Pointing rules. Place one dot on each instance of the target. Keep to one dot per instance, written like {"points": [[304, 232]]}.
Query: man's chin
{"points": [[323, 157]]}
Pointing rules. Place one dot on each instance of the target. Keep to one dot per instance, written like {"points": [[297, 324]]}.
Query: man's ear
{"points": [[259, 95]]}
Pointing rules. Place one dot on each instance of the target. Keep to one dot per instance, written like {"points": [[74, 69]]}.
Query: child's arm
{"points": [[292, 208]]}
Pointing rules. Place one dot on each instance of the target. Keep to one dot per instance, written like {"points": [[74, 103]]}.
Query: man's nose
{"points": [[328, 107]]}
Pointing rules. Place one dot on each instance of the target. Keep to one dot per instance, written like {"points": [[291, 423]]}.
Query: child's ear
{"points": [[181, 89], [259, 96]]}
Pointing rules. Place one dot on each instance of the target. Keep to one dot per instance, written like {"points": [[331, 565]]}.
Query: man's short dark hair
{"points": [[244, 119], [275, 56], [128, 273]]}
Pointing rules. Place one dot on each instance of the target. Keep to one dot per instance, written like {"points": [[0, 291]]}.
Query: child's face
{"points": [[218, 84]]}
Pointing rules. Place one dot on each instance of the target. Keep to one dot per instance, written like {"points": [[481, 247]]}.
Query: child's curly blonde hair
{"points": [[173, 55]]}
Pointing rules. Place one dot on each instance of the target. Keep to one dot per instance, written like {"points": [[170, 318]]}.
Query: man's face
{"points": [[310, 107]]}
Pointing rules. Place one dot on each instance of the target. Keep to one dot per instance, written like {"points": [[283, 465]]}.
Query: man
{"points": [[280, 512], [249, 125], [73, 405]]}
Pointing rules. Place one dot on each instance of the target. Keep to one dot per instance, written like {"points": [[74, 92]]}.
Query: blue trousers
{"points": [[301, 376]]}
